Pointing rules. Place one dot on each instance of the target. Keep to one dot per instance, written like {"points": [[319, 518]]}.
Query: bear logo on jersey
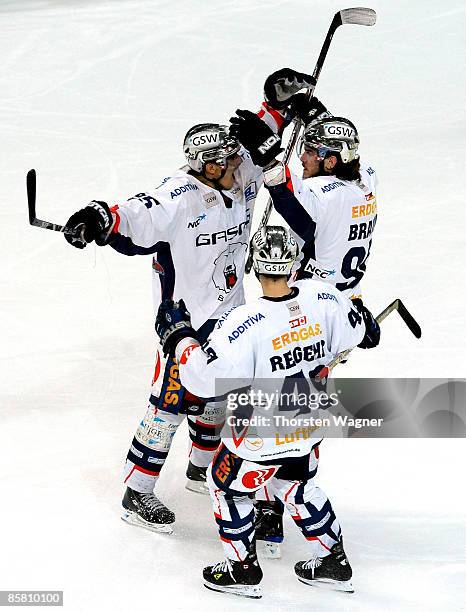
{"points": [[227, 264]]}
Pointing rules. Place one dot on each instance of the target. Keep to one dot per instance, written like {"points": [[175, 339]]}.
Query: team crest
{"points": [[227, 264]]}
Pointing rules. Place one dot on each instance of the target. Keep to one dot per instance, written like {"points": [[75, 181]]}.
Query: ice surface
{"points": [[97, 96]]}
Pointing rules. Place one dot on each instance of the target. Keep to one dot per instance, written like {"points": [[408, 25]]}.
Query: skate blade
{"points": [[132, 518], [243, 590], [327, 583], [197, 486], [271, 550]]}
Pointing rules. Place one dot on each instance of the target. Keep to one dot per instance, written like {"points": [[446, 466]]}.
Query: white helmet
{"points": [[274, 251], [328, 135], [209, 142]]}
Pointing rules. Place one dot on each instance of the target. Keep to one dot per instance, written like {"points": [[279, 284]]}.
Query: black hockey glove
{"points": [[172, 324], [93, 222], [372, 336], [280, 86], [308, 110], [255, 136]]}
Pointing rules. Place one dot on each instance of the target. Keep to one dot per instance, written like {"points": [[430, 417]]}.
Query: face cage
{"points": [[320, 149]]}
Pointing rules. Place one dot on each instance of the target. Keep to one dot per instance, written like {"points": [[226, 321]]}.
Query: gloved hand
{"points": [[172, 324], [281, 85], [93, 221], [372, 336], [308, 110], [255, 136]]}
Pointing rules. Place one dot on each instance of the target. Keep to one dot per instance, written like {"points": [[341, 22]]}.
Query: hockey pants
{"points": [[232, 481], [169, 403]]}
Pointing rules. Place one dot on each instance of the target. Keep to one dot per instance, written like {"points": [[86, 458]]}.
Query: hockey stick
{"points": [[356, 16], [404, 313], [33, 220]]}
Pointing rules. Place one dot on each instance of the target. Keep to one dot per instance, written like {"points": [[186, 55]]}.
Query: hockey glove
{"points": [[93, 222], [308, 110], [172, 324], [372, 336], [280, 86], [255, 136]]}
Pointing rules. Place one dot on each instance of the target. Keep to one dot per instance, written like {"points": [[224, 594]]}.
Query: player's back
{"points": [[277, 345], [345, 214]]}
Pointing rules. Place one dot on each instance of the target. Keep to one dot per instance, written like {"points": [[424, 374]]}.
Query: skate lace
{"points": [[312, 563], [151, 501], [222, 566]]}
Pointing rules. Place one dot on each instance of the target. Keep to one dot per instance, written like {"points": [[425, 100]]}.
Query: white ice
{"points": [[97, 95]]}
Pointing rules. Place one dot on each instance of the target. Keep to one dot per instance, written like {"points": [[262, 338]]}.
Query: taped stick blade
{"points": [[410, 321], [358, 16], [31, 190]]}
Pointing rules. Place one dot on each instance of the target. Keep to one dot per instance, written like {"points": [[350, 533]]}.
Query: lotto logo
{"points": [[253, 480], [297, 322]]}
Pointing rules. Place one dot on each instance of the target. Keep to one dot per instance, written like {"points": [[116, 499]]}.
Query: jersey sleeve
{"points": [[141, 223], [224, 363], [345, 324], [295, 201], [276, 120], [248, 172]]}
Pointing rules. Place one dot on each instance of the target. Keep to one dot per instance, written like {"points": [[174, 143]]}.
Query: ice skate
{"points": [[269, 528], [235, 577], [146, 510], [197, 479], [333, 571]]}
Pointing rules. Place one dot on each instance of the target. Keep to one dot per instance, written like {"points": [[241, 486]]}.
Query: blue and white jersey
{"points": [[332, 221], [198, 236], [284, 338]]}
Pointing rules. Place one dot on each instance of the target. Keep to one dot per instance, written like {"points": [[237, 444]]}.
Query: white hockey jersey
{"points": [[199, 238], [332, 221], [271, 338]]}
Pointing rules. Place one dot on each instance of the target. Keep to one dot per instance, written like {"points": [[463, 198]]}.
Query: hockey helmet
{"points": [[209, 142], [330, 135], [274, 251]]}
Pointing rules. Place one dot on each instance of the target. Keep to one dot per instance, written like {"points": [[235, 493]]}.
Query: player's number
{"points": [[353, 266]]}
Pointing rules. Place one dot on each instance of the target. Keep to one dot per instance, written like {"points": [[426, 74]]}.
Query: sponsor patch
{"points": [[235, 334], [326, 296], [196, 221], [210, 199], [298, 321], [251, 191], [256, 478], [313, 267], [332, 186], [253, 443], [294, 309], [304, 333], [183, 189]]}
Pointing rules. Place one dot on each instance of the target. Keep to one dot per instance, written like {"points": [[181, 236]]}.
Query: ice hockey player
{"points": [[196, 224], [256, 341], [331, 211]]}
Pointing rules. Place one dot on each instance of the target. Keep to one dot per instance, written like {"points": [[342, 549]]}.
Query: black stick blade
{"points": [[408, 318], [31, 190]]}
